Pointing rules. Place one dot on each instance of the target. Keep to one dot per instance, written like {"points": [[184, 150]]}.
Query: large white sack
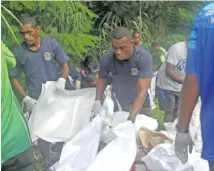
{"points": [[162, 158], [79, 152], [119, 154], [60, 116]]}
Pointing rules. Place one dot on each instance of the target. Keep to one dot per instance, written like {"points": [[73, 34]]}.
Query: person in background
{"points": [[73, 82], [129, 68], [170, 79], [37, 58], [138, 42], [160, 52], [199, 81], [16, 146], [89, 72]]}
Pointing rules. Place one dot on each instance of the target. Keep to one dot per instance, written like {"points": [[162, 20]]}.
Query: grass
{"points": [[157, 113]]}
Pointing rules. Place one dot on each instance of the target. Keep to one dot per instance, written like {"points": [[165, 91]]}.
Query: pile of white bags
{"points": [[58, 117], [79, 154], [162, 157]]}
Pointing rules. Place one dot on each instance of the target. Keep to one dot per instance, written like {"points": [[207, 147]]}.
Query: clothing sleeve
{"points": [[103, 71], [190, 63], [145, 66], [75, 74], [172, 56], [60, 55], [19, 68]]}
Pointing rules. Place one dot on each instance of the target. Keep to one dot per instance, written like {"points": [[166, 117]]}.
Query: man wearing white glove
{"points": [[130, 69], [198, 82], [37, 58], [60, 84]]}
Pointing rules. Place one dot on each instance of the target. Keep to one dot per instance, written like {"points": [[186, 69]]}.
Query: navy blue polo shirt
{"points": [[124, 76], [38, 66]]}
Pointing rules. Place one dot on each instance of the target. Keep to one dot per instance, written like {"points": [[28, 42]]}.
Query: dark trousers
{"points": [[211, 165], [21, 162]]}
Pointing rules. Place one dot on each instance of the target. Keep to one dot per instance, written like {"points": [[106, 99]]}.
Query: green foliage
{"points": [[166, 22], [68, 22]]}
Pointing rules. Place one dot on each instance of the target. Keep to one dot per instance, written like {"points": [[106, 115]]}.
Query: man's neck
{"points": [[36, 45]]}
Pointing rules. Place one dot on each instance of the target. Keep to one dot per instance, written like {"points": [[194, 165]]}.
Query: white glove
{"points": [[30, 103], [60, 84], [96, 108], [183, 141]]}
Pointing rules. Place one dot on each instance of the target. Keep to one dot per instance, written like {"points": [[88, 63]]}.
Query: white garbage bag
{"points": [[79, 152], [162, 158], [119, 154], [58, 117], [143, 121], [108, 133]]}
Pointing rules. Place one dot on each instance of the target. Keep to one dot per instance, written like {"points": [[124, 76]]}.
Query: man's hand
{"points": [[96, 108], [60, 84], [182, 142], [131, 118], [30, 103]]}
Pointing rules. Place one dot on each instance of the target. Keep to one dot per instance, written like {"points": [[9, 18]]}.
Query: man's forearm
{"points": [[101, 83], [175, 77], [65, 71], [18, 87], [170, 72], [138, 103], [189, 98]]}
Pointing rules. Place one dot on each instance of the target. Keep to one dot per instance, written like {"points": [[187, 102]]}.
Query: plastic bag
{"points": [[111, 123], [143, 121], [79, 152], [120, 153], [60, 116], [162, 158]]}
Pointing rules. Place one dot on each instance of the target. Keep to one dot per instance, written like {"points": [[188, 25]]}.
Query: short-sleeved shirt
{"points": [[124, 76], [15, 137], [177, 54], [200, 61], [39, 66]]}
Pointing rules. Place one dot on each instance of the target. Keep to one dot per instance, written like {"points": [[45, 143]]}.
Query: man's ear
{"points": [[37, 28]]}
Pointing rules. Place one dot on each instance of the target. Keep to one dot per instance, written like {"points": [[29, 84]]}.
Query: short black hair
{"points": [[155, 44], [121, 32], [26, 19], [135, 32]]}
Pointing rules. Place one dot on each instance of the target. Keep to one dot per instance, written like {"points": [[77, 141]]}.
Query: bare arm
{"points": [[170, 72], [189, 98], [101, 83], [64, 71], [143, 85], [18, 87]]}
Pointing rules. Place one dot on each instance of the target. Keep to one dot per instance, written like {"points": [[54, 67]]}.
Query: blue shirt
{"points": [[39, 66], [200, 61], [124, 76]]}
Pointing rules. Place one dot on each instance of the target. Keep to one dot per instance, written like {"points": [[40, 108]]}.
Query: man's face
{"points": [[123, 48], [155, 48], [30, 33], [136, 38]]}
